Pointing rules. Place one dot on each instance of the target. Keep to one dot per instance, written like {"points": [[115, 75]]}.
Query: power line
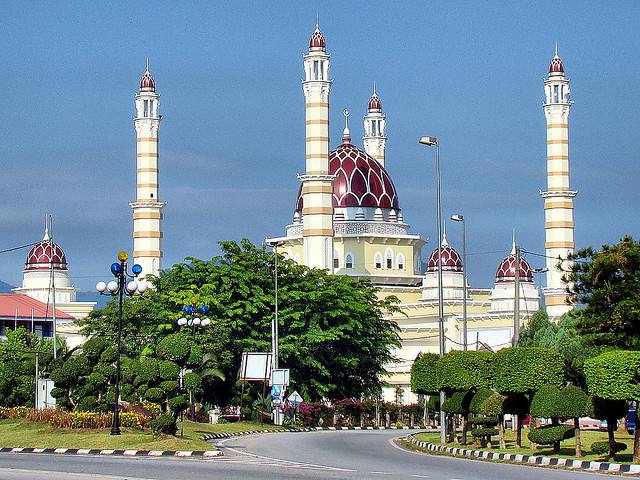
{"points": [[18, 248]]}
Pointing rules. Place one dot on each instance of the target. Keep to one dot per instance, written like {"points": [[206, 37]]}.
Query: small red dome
{"points": [[507, 273], [360, 180], [316, 42], [375, 105], [147, 84], [43, 254], [556, 67], [451, 261]]}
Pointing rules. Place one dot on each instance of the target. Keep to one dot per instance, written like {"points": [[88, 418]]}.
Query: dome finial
{"points": [[46, 228], [346, 134], [147, 70], [317, 21], [444, 235], [374, 87], [513, 242]]}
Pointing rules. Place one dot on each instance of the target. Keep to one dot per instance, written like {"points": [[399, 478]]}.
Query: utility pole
{"points": [[516, 298]]}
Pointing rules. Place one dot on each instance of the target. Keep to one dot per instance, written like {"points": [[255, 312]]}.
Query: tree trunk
{"points": [[556, 445], [516, 418], [387, 420], [501, 431], [576, 424], [611, 428], [465, 428]]}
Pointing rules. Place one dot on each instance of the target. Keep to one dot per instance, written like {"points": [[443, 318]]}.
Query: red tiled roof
{"points": [[23, 304]]}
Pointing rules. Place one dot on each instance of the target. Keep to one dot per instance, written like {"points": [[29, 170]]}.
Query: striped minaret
{"points": [[317, 189], [374, 138], [147, 209], [558, 199]]}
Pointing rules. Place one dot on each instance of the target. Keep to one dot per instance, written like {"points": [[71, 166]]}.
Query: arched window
{"points": [[377, 260], [348, 260], [400, 261], [336, 259], [388, 254]]}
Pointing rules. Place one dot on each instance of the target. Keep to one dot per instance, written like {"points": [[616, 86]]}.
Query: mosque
{"points": [[348, 220]]}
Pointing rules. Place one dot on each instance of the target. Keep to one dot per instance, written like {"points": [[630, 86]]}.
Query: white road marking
{"points": [[382, 473], [419, 476], [41, 473], [280, 462]]}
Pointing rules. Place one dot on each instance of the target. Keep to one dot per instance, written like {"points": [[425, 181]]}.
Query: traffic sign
{"points": [[280, 377], [295, 399]]}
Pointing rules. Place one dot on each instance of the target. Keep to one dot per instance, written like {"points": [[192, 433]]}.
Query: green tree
{"points": [[424, 377], [493, 406], [615, 376], [523, 370], [607, 283], [573, 405], [333, 335], [465, 370]]}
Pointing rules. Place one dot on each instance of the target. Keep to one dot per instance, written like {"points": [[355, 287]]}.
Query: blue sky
{"points": [[232, 138]]}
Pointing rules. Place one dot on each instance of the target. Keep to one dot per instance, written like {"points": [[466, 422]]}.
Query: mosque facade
{"points": [[348, 220]]}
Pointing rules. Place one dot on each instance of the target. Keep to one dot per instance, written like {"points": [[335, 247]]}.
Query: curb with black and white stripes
{"points": [[126, 453], [214, 436], [529, 459]]}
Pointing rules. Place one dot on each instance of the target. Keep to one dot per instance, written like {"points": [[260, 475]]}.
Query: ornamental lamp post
{"points": [[195, 320], [433, 142], [125, 284]]}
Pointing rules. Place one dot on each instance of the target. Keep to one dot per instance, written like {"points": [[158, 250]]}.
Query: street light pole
{"points": [[277, 420], [433, 142], [120, 287], [460, 218]]}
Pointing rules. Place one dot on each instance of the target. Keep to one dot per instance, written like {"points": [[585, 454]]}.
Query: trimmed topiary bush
{"points": [[424, 378], [604, 447], [458, 403], [164, 423], [465, 370], [169, 386], [168, 370], [551, 434], [175, 347], [475, 405], [526, 369], [484, 432], [154, 395], [546, 402], [488, 421], [178, 404]]}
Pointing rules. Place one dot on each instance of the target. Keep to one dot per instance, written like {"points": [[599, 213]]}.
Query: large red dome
{"points": [[360, 181], [43, 254], [507, 273]]}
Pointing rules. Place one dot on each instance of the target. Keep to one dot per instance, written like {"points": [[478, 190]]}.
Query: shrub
{"points": [[175, 347], [605, 448], [550, 434], [613, 375], [458, 403], [526, 369], [109, 355], [192, 381], [492, 406], [164, 424], [169, 386], [348, 406], [489, 421], [484, 432], [94, 347], [475, 406], [178, 404], [311, 413], [546, 402], [154, 395], [87, 404], [149, 370], [573, 403], [424, 378], [465, 370], [168, 370]]}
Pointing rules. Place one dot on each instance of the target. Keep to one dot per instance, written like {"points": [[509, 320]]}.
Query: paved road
{"points": [[312, 455]]}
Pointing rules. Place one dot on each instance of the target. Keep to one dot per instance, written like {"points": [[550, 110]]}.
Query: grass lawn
{"points": [[19, 433], [567, 447]]}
